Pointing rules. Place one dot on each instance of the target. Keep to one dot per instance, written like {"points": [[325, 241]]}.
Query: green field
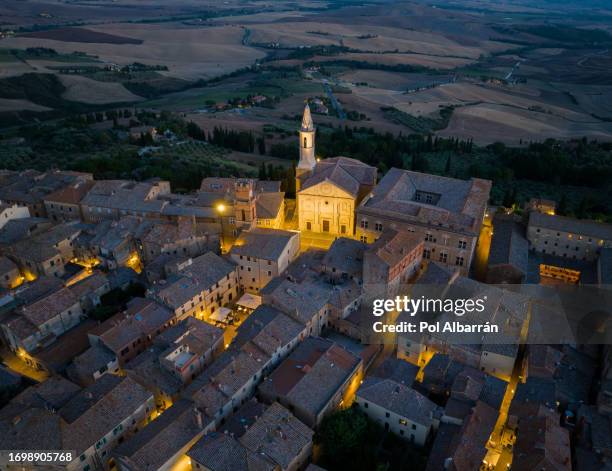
{"points": [[7, 56], [203, 156], [15, 55], [420, 124], [273, 84]]}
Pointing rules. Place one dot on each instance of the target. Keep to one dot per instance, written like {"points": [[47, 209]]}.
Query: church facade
{"points": [[328, 191]]}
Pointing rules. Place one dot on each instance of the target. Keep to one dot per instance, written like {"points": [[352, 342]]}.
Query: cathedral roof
{"points": [[348, 174]]}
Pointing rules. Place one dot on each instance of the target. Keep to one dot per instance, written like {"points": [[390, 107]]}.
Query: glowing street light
{"points": [[221, 207]]}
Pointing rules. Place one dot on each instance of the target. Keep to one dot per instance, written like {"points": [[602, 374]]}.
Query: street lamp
{"points": [[221, 209]]}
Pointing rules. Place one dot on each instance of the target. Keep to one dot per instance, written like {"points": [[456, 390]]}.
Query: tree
{"points": [[261, 145], [562, 207], [194, 131], [509, 198], [348, 440], [447, 167], [291, 173], [583, 208], [263, 174]]}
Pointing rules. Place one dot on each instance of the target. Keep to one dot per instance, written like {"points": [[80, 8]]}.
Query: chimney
{"points": [[198, 417]]}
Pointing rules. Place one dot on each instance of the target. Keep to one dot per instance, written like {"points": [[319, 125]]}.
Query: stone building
{"points": [[390, 262], [328, 191], [9, 212], [446, 212], [263, 254], [64, 204], [314, 380], [240, 204], [566, 237], [10, 277], [399, 408], [199, 287], [509, 252]]}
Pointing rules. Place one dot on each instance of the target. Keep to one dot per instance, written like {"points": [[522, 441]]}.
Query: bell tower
{"points": [[244, 204], [307, 147]]}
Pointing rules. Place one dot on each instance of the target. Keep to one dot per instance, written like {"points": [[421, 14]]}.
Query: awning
{"points": [[220, 315], [249, 301]]}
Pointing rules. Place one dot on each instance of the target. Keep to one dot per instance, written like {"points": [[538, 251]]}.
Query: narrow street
{"points": [[501, 441], [14, 363], [483, 247]]}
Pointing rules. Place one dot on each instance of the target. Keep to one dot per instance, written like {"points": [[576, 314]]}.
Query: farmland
{"points": [[397, 65], [481, 72]]}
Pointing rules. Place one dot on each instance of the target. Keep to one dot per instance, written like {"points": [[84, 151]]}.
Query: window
{"points": [[387, 414], [403, 422], [305, 142], [308, 226], [364, 224], [459, 261], [413, 427], [443, 257], [429, 238], [427, 253], [365, 404], [378, 226], [363, 239], [462, 244]]}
